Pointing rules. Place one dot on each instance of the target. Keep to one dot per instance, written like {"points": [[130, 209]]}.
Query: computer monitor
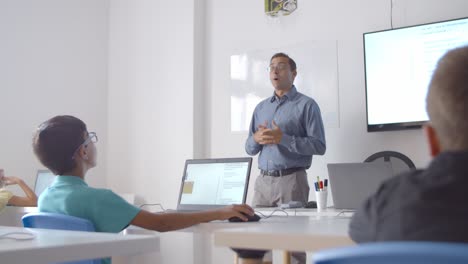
{"points": [[213, 183], [398, 68]]}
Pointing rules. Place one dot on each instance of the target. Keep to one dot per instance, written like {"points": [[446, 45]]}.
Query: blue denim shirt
{"points": [[298, 116]]}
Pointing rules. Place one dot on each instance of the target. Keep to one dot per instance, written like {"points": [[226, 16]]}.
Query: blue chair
{"points": [[396, 252], [63, 222]]}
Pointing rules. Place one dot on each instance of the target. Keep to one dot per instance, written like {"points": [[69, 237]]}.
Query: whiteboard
{"points": [[317, 77]]}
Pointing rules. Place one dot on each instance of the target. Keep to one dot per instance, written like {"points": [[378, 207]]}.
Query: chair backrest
{"points": [[396, 252], [57, 221], [63, 222], [399, 161]]}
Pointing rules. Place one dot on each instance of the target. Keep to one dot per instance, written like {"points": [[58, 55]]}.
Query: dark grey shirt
{"points": [[298, 116], [430, 204]]}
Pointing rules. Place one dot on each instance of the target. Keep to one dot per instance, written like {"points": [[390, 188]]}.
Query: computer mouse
{"points": [[311, 204], [251, 218]]}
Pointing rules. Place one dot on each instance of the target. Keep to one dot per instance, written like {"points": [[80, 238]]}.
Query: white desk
{"points": [[50, 246], [298, 233], [198, 242], [330, 211], [303, 230]]}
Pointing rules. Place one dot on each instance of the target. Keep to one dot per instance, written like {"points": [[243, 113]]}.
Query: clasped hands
{"points": [[265, 135]]}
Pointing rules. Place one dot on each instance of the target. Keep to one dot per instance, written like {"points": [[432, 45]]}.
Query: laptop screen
{"points": [[213, 183], [44, 179]]}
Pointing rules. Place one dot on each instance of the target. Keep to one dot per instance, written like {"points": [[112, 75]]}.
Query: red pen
{"points": [[321, 185]]}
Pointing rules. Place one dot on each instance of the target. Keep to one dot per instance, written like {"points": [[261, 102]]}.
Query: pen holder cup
{"points": [[321, 198]]}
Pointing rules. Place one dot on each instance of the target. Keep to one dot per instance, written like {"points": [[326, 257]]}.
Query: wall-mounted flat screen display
{"points": [[398, 67]]}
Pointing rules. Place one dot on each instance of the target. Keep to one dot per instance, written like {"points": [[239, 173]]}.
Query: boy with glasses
{"points": [[64, 145]]}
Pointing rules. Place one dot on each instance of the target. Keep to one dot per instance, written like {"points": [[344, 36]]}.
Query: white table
{"points": [[319, 230], [330, 211], [50, 246], [293, 233], [317, 235], [303, 230]]}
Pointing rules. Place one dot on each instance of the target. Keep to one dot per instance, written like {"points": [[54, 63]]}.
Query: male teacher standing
{"points": [[287, 130]]}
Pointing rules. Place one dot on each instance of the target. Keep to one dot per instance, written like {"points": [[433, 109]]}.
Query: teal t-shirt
{"points": [[70, 195]]}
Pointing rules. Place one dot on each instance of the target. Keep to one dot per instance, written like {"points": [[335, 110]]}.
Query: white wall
{"points": [[53, 61], [151, 93], [235, 27], [150, 97]]}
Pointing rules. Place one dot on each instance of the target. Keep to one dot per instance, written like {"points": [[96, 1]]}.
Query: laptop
{"points": [[44, 179], [352, 183], [214, 183]]}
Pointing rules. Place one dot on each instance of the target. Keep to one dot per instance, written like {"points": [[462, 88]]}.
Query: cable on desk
{"points": [[151, 204], [344, 212], [271, 214], [18, 236]]}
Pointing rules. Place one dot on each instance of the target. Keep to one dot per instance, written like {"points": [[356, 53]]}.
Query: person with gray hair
{"points": [[429, 204]]}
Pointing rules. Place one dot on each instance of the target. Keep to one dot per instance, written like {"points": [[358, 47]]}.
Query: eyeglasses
{"points": [[92, 137], [279, 67]]}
